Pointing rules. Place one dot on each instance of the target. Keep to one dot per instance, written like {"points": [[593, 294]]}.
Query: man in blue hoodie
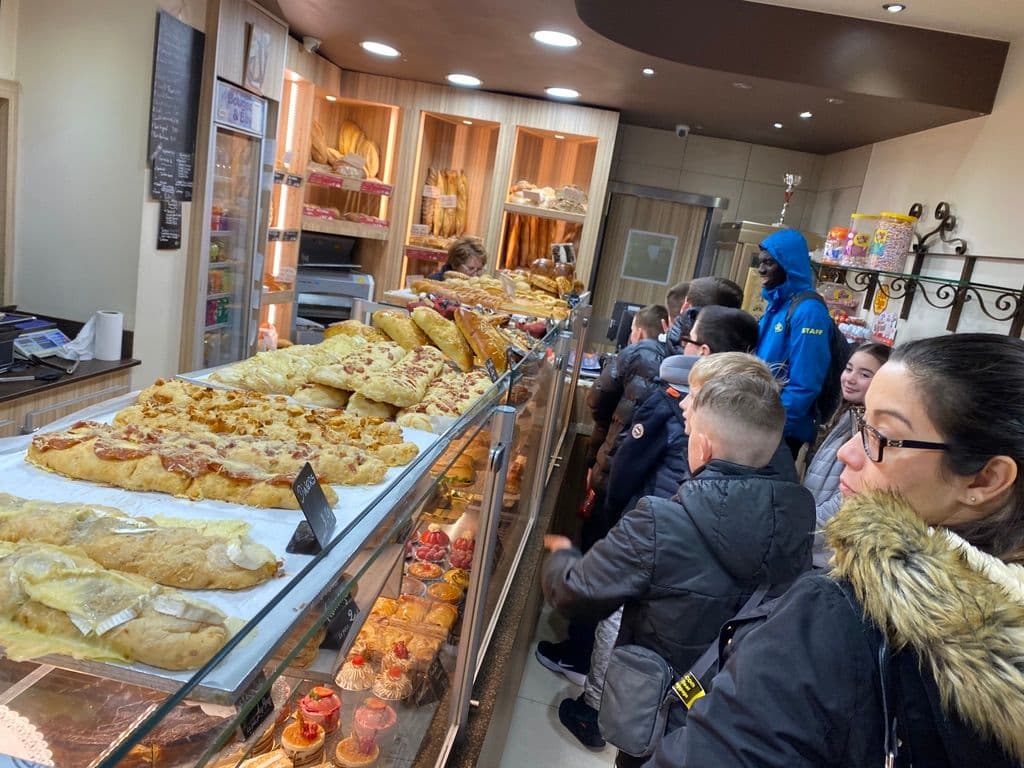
{"points": [[797, 351]]}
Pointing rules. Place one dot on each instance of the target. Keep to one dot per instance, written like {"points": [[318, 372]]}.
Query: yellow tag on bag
{"points": [[688, 689]]}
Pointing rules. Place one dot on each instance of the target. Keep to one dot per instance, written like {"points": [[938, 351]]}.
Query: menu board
{"points": [[174, 108]]}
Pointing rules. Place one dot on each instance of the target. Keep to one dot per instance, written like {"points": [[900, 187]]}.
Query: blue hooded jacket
{"points": [[801, 356]]}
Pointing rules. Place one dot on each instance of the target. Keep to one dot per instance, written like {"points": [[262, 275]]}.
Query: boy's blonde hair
{"points": [[729, 364]]}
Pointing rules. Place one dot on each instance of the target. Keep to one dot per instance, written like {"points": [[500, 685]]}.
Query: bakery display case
{"points": [[364, 651], [547, 200], [454, 168]]}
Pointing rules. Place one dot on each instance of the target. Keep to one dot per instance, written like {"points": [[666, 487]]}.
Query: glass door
{"points": [[231, 247]]}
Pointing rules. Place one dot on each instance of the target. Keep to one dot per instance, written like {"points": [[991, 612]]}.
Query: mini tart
{"points": [[445, 592], [424, 571], [347, 754], [297, 744], [442, 615], [355, 674], [321, 705], [393, 684], [457, 577]]}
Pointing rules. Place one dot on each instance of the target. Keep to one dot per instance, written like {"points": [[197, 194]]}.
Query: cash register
{"points": [[28, 335]]}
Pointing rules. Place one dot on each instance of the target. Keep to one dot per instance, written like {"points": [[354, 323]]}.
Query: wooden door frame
{"points": [[9, 91]]}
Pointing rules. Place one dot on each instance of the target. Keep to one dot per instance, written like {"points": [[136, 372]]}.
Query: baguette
{"points": [[371, 157], [399, 327], [445, 335], [486, 340], [451, 187], [427, 204], [349, 137], [462, 203]]}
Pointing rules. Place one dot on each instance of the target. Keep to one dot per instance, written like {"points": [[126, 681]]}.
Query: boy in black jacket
{"points": [[682, 567]]}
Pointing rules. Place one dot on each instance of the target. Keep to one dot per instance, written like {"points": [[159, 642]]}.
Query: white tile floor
{"points": [[535, 737]]}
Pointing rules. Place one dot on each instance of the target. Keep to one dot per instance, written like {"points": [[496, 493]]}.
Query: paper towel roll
{"points": [[108, 335]]}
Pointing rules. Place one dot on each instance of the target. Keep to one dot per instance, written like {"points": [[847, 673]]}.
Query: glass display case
{"points": [[455, 171], [376, 639]]}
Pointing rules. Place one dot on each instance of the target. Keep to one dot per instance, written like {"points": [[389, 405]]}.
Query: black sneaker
{"points": [[558, 658], [581, 720]]}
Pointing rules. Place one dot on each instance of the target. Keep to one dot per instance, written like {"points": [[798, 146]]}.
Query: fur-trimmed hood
{"points": [[960, 609]]}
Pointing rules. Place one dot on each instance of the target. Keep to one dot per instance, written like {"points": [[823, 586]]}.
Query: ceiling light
{"points": [[457, 78], [742, 86], [380, 49], [467, 122], [806, 115], [562, 93], [833, 100], [894, 7], [777, 125], [559, 136], [331, 98], [648, 72], [557, 39]]}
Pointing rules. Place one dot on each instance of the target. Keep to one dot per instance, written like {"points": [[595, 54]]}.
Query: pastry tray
{"points": [[271, 527]]}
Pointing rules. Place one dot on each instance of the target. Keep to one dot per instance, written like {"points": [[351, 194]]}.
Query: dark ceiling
{"points": [[892, 80]]}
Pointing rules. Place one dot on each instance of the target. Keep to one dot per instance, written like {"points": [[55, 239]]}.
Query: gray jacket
{"points": [[822, 480]]}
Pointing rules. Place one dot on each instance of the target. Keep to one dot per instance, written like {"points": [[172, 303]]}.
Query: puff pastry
{"points": [[400, 327], [321, 396], [445, 335], [406, 382], [355, 328], [353, 369], [363, 406]]}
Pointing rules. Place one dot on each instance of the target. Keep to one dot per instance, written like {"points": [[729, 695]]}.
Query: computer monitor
{"points": [[622, 322]]}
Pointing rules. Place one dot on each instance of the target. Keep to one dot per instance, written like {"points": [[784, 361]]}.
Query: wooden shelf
{"points": [[336, 181], [347, 228], [545, 213], [278, 297], [423, 253]]}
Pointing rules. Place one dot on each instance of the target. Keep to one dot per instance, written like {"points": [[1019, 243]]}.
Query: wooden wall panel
{"points": [[8, 174], [627, 212], [232, 35], [312, 68]]}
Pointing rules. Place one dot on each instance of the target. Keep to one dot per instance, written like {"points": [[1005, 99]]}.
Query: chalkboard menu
{"points": [[174, 110]]}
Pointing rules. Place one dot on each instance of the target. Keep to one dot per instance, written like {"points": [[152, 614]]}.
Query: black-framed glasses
{"points": [[875, 443], [688, 340]]}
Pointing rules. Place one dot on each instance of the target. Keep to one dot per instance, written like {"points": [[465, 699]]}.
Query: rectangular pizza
{"points": [[406, 382]]}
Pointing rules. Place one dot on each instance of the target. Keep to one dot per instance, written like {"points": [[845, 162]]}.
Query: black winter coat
{"points": [[625, 382], [651, 460], [682, 567]]}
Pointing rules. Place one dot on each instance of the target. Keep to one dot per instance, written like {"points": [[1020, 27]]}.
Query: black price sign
{"points": [[340, 623], [314, 505], [251, 722], [491, 370], [431, 685], [279, 177]]}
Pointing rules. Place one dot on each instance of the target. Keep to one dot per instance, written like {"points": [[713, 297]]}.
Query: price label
{"points": [[419, 230], [251, 722], [314, 505], [273, 235], [432, 685], [429, 190], [290, 235], [563, 253], [340, 622], [292, 180], [352, 185], [449, 201], [491, 370], [279, 177]]}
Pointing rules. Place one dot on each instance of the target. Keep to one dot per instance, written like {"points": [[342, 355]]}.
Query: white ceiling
{"points": [[994, 19]]}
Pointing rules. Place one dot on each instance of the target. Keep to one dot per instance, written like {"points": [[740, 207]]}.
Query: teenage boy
{"points": [[710, 291], [682, 567]]}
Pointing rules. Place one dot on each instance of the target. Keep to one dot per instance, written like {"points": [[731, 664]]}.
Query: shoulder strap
{"points": [[688, 687], [800, 298]]}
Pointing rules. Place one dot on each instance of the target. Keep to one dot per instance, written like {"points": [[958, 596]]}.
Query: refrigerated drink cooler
{"points": [[234, 227]]}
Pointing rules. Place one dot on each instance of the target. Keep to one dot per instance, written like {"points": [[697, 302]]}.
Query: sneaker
{"points": [[581, 720], [558, 658]]}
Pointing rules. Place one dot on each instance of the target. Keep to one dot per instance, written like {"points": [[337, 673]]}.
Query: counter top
{"points": [[87, 369]]}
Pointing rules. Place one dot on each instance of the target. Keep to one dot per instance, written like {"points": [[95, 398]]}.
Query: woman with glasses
{"points": [[910, 651], [466, 256], [822, 477]]}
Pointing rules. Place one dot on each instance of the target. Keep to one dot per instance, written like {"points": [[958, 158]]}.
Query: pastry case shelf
{"points": [[413, 584]]}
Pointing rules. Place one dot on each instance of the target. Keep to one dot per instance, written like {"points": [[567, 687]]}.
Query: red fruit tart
{"points": [[435, 536], [321, 705], [303, 741]]}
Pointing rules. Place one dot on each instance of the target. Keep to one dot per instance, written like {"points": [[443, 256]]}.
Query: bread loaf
{"points": [[318, 145], [400, 328], [451, 187], [350, 136], [355, 328], [427, 205], [485, 340], [445, 335], [462, 203], [371, 157]]}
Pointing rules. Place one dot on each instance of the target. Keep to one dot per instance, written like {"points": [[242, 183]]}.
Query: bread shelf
{"points": [[336, 181], [348, 228], [278, 297], [423, 253], [545, 213]]}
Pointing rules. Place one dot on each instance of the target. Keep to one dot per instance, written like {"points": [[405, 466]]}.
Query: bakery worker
{"points": [[466, 255], [800, 354]]}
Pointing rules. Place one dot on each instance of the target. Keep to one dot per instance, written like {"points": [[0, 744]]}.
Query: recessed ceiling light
{"points": [[777, 125], [894, 7], [806, 115], [457, 78], [559, 136], [467, 122], [833, 100], [562, 93], [557, 39], [648, 71], [742, 86], [331, 98], [380, 49]]}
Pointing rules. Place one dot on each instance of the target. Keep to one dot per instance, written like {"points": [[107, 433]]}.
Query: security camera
{"points": [[311, 44], [682, 130]]}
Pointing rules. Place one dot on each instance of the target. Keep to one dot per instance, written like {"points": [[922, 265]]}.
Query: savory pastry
{"points": [[457, 577], [442, 615], [486, 341], [303, 741], [384, 606], [461, 471], [282, 371], [406, 382], [452, 393], [400, 327], [355, 328], [445, 335], [392, 684], [397, 656], [321, 396], [411, 608], [350, 754], [321, 705], [352, 370], [355, 674], [358, 405], [445, 592], [176, 556], [57, 600]]}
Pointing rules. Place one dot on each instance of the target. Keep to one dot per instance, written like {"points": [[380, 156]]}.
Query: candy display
{"points": [[835, 244], [858, 239], [891, 243]]}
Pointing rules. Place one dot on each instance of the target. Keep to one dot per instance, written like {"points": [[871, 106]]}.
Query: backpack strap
{"points": [[799, 298], [688, 687]]}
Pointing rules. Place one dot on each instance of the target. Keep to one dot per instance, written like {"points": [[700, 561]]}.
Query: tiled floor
{"points": [[535, 737]]}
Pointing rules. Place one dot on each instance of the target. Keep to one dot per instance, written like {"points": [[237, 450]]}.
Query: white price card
{"points": [[449, 201]]}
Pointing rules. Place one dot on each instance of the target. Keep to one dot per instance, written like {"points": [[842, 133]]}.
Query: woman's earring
{"points": [[974, 499]]}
